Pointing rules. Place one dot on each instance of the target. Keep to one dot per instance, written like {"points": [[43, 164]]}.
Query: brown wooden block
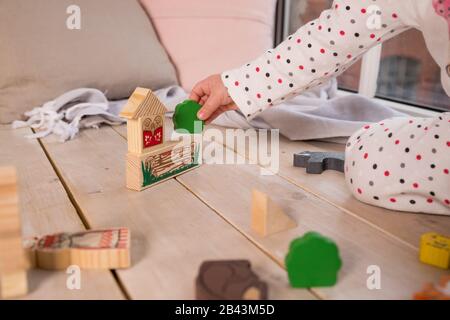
{"points": [[13, 263], [229, 280], [267, 217], [93, 249]]}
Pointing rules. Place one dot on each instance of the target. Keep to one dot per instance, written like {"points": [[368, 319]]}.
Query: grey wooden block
{"points": [[317, 162]]}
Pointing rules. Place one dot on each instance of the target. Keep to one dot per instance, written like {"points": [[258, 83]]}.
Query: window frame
{"points": [[370, 68]]}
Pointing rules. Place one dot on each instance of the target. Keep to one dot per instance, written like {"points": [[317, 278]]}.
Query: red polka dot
{"points": [[426, 128], [258, 95], [448, 143], [299, 40], [372, 35], [446, 171], [257, 69], [342, 33], [280, 81], [397, 141], [359, 191], [447, 202], [387, 129], [322, 50], [382, 124], [415, 185], [366, 127], [301, 67], [336, 6], [278, 57], [410, 121], [429, 200], [363, 10], [319, 27], [379, 39], [387, 173], [349, 56], [419, 157], [236, 83], [393, 200], [394, 15], [366, 155]]}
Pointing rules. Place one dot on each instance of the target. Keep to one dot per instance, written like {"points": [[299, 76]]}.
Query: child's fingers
{"points": [[209, 107], [197, 92], [203, 100]]}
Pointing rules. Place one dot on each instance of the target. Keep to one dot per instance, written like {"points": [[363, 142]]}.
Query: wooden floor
{"points": [[205, 214]]}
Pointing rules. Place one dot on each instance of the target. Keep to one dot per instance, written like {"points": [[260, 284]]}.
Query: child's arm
{"points": [[319, 50]]}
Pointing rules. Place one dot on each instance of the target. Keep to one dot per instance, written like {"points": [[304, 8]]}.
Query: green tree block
{"points": [[313, 261], [185, 117]]}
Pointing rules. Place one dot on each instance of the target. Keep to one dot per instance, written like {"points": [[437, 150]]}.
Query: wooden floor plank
{"points": [[172, 231], [45, 208], [330, 186], [227, 189]]}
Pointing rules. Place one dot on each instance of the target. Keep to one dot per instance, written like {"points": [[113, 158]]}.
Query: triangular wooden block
{"points": [[267, 216]]}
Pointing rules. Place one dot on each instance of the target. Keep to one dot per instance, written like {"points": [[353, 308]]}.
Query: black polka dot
{"points": [[269, 100], [246, 88], [376, 198], [375, 166], [357, 34], [412, 201], [406, 150], [432, 166], [288, 61], [432, 193], [402, 181], [390, 135], [347, 8], [436, 136], [309, 45], [291, 85], [313, 70], [267, 75], [227, 76]]}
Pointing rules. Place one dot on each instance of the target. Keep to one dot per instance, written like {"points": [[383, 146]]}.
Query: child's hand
{"points": [[212, 94]]}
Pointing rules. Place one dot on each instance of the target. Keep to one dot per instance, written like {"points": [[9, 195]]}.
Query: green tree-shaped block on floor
{"points": [[313, 261], [185, 117]]}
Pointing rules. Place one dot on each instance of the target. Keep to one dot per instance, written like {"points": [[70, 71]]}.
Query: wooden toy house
{"points": [[150, 158], [145, 120]]}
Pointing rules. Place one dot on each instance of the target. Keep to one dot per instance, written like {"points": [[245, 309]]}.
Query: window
{"points": [[407, 72]]}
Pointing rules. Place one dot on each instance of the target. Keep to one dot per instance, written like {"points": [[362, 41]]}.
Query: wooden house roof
{"points": [[142, 102]]}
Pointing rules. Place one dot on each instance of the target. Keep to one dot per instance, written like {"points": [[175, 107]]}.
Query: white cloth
{"points": [[402, 164], [318, 114], [83, 108], [327, 46]]}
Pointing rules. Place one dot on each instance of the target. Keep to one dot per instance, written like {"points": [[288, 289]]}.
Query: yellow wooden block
{"points": [[435, 250]]}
